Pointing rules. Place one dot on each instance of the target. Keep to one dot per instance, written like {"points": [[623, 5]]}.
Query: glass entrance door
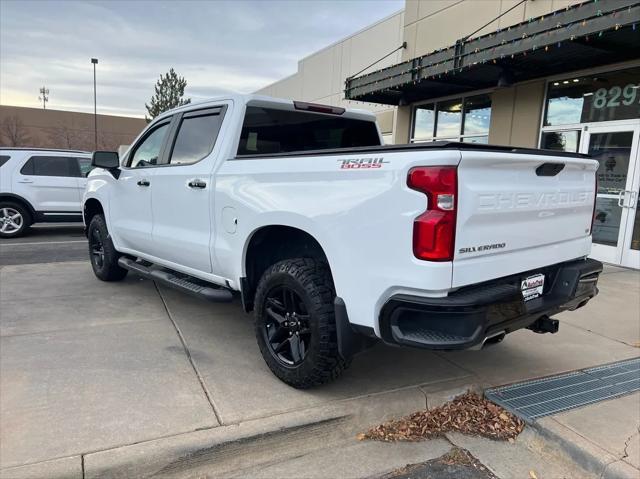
{"points": [[616, 229]]}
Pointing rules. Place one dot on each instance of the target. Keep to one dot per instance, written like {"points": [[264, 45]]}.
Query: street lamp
{"points": [[95, 105]]}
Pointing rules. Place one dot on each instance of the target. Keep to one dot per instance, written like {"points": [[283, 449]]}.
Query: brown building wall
{"points": [[39, 128]]}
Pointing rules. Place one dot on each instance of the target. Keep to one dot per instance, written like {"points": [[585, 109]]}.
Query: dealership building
{"points": [[556, 74]]}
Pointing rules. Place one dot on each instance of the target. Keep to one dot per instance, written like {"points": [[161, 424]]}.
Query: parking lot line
{"points": [[44, 242]]}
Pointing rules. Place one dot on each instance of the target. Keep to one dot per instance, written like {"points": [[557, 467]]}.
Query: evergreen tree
{"points": [[169, 94]]}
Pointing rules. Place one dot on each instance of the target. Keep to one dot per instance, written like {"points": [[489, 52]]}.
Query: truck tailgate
{"points": [[517, 212]]}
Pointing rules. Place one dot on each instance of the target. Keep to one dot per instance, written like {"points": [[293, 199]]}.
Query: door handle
{"points": [[143, 183], [25, 180], [622, 196], [197, 184]]}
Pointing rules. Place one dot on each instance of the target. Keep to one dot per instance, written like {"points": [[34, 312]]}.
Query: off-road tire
{"points": [[26, 219], [108, 269], [311, 280]]}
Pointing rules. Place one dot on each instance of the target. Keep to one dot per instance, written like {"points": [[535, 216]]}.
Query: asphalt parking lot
{"points": [[94, 374], [45, 244]]}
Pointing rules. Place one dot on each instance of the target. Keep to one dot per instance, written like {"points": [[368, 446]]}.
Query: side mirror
{"points": [[105, 159], [109, 160]]}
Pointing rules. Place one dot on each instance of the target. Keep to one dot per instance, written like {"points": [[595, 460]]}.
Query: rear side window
{"points": [[196, 136], [50, 166], [4, 159], [84, 165], [266, 131]]}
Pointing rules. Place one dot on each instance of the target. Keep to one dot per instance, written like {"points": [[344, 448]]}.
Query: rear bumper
{"points": [[467, 317]]}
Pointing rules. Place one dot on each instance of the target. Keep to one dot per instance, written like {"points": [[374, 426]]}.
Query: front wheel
{"points": [[295, 323], [14, 220], [103, 255]]}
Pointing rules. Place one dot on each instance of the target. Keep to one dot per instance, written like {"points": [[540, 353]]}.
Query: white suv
{"points": [[40, 186]]}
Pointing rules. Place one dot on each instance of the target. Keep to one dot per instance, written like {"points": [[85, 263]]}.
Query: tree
{"points": [[169, 94], [14, 132]]}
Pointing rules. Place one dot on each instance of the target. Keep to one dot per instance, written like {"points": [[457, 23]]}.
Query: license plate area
{"points": [[532, 287]]}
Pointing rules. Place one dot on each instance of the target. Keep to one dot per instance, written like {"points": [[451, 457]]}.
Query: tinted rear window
{"points": [[267, 131], [50, 166], [4, 159]]}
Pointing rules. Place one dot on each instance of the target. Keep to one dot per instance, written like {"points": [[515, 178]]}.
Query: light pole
{"points": [[95, 104]]}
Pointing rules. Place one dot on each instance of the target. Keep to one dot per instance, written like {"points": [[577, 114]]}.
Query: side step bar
{"points": [[216, 295]]}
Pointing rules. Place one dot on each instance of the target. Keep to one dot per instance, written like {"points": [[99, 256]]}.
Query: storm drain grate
{"points": [[542, 397]]}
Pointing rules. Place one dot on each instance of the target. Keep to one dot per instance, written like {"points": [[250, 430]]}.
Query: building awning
{"points": [[590, 34]]}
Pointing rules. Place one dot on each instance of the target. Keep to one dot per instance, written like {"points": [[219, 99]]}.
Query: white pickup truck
{"points": [[334, 240]]}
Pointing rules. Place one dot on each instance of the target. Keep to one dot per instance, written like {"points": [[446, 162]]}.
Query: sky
{"points": [[218, 46]]}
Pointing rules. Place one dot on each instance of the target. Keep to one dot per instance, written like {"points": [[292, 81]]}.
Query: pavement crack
{"points": [[625, 453], [190, 358]]}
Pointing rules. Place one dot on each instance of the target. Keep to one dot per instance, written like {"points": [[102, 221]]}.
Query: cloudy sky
{"points": [[217, 46]]}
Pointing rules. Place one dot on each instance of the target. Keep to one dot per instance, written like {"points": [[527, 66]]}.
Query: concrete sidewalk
{"points": [[95, 377]]}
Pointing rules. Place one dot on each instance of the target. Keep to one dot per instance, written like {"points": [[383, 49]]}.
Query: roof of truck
{"points": [[254, 98]]}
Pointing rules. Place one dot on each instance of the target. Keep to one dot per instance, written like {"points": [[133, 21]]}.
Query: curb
{"points": [[220, 450], [583, 452]]}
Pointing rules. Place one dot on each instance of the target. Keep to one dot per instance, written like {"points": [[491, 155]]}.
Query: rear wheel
{"points": [[14, 220], [102, 253], [295, 323]]}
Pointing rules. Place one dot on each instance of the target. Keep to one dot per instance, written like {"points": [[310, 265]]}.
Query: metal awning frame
{"points": [[574, 23]]}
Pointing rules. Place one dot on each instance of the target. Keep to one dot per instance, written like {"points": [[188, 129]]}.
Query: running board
{"points": [[215, 295]]}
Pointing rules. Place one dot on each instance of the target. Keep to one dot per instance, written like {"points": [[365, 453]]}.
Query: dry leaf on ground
{"points": [[468, 414]]}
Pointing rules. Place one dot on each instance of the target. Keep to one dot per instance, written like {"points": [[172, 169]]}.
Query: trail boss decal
{"points": [[484, 247], [361, 163]]}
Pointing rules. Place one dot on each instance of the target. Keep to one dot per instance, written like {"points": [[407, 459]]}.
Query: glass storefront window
{"points": [[594, 98], [484, 139], [425, 120], [449, 118], [561, 140], [477, 115], [461, 119]]}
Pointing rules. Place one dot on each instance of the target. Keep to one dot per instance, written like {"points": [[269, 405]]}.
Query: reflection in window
{"points": [[449, 118], [612, 150], [606, 223], [561, 140], [195, 139], [461, 119], [484, 139], [425, 120], [477, 115], [147, 152], [601, 97]]}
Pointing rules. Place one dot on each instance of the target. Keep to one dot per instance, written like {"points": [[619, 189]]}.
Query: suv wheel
{"points": [[14, 220], [103, 255], [295, 323]]}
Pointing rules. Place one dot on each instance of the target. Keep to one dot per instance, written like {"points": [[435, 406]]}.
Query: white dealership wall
{"points": [[320, 77]]}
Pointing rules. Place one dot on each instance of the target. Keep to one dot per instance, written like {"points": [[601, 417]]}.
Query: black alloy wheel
{"points": [[286, 329], [97, 248]]}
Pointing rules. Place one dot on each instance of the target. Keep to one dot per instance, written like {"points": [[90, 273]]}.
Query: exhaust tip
{"points": [[495, 339]]}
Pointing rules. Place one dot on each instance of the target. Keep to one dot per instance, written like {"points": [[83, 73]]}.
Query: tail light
{"points": [[434, 230]]}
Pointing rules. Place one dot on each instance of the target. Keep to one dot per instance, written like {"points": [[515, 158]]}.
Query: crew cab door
{"points": [[130, 199], [182, 194]]}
